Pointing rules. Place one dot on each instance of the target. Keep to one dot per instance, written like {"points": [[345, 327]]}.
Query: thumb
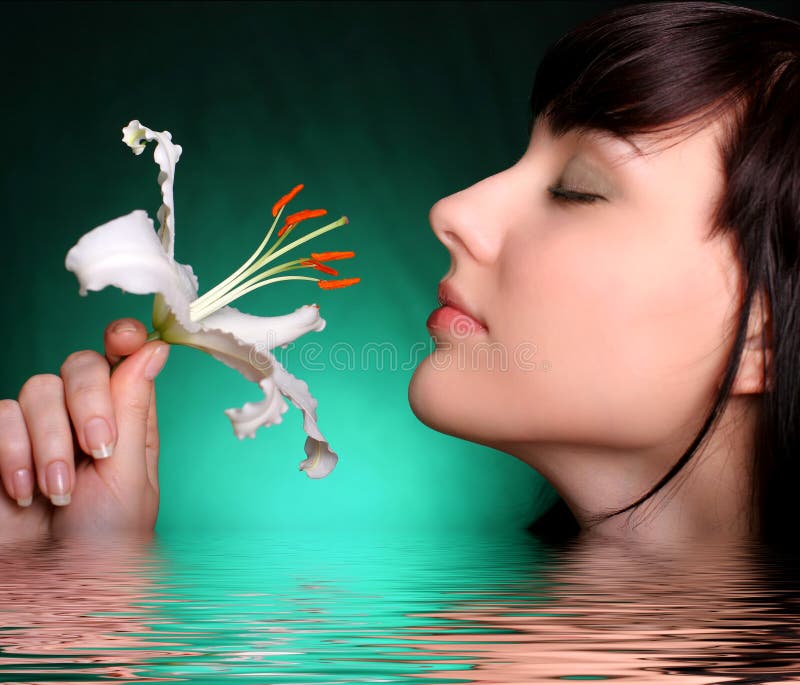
{"points": [[131, 392]]}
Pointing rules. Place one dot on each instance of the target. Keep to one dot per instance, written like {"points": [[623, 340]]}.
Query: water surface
{"points": [[394, 608]]}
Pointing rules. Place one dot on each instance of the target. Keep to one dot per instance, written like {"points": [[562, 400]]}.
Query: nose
{"points": [[471, 223]]}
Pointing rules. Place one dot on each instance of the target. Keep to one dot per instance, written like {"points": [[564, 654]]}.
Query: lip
{"points": [[453, 306]]}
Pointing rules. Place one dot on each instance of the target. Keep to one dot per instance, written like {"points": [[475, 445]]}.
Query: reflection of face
{"points": [[610, 315], [641, 614]]}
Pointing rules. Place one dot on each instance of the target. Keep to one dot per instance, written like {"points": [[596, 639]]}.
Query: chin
{"points": [[421, 397], [436, 400]]}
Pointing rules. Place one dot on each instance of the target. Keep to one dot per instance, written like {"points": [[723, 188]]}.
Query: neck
{"points": [[709, 499]]}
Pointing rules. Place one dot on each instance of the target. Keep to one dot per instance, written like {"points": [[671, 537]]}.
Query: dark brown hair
{"points": [[674, 67]]}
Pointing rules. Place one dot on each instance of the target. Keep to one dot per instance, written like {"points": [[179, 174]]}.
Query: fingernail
{"points": [[124, 327], [23, 486], [156, 362], [97, 434], [57, 480]]}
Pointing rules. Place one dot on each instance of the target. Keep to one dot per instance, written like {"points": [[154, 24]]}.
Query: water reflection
{"points": [[658, 615], [299, 608]]}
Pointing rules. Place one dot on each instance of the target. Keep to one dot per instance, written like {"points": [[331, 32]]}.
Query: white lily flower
{"points": [[128, 253]]}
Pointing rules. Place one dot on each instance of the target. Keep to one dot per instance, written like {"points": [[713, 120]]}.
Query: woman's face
{"points": [[608, 324]]}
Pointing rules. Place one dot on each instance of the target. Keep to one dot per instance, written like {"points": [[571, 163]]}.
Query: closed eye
{"points": [[564, 195]]}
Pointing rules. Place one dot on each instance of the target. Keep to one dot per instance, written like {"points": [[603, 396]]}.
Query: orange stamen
{"points": [[330, 256], [285, 228], [319, 267], [286, 199], [342, 283], [304, 214], [297, 217]]}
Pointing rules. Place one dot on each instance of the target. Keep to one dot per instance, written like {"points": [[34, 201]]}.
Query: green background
{"points": [[379, 109]]}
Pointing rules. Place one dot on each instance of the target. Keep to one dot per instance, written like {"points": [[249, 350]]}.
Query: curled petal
{"points": [[321, 459], [243, 342], [132, 136], [126, 253], [166, 155], [252, 415]]}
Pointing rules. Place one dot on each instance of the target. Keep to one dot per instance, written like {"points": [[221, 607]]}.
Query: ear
{"points": [[757, 353]]}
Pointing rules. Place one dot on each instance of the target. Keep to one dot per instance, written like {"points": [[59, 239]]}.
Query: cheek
{"points": [[632, 327]]}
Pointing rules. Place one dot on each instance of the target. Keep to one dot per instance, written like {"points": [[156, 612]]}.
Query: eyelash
{"points": [[564, 195]]}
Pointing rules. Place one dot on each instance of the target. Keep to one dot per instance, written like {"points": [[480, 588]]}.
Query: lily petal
{"points": [[243, 342], [166, 155], [125, 252], [321, 459], [266, 331], [253, 415]]}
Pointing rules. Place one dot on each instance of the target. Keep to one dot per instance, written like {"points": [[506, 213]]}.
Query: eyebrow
{"points": [[600, 134], [592, 132]]}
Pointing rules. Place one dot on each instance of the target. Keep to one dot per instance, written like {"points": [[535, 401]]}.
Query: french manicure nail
{"points": [[156, 362], [124, 327], [97, 433], [57, 483], [23, 486]]}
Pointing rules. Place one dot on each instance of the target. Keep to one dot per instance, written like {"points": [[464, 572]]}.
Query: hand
{"points": [[79, 451]]}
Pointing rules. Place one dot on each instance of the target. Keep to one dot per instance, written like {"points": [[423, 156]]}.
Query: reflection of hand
{"points": [[80, 604], [59, 435]]}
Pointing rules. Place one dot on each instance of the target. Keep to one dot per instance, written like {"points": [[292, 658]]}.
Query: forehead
{"points": [[698, 144]]}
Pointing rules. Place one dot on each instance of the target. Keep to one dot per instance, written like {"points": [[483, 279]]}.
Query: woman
{"points": [[645, 244]]}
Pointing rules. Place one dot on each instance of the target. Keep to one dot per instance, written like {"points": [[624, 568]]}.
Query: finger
{"points": [[16, 462], [88, 396], [123, 337], [131, 391], [45, 411], [152, 442]]}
